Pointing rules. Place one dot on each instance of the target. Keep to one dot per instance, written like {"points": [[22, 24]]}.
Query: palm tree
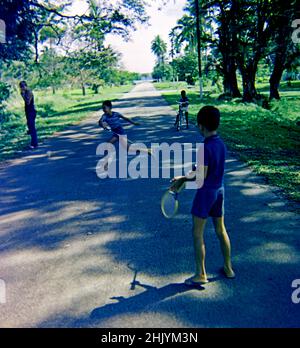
{"points": [[186, 33], [159, 48]]}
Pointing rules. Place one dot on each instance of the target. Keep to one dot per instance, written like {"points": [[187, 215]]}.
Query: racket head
{"points": [[169, 204]]}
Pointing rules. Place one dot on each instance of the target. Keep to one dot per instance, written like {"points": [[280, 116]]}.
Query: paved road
{"points": [[67, 237]]}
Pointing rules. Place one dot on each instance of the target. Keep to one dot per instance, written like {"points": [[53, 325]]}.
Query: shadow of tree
{"points": [[53, 201]]}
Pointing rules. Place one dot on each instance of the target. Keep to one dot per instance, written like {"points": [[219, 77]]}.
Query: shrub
{"points": [[4, 95], [4, 92]]}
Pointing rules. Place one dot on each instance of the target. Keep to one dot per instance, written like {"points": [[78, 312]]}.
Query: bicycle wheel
{"points": [[180, 121]]}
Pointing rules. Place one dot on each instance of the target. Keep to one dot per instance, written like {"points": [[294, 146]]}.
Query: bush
{"points": [[4, 95], [4, 92]]}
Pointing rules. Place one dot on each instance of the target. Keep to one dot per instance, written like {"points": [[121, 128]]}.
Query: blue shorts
{"points": [[208, 202], [118, 131]]}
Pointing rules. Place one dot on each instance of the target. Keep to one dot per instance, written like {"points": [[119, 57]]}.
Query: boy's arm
{"points": [[186, 102], [101, 122], [191, 176], [200, 172], [27, 96], [129, 120]]}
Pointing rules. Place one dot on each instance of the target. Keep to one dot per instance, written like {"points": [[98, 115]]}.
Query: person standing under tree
{"points": [[30, 112]]}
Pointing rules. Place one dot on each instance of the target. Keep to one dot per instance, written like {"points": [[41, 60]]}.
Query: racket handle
{"points": [[181, 188]]}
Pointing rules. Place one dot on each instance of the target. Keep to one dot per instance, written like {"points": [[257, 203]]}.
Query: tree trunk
{"points": [[249, 90], [83, 89], [230, 81], [275, 78], [284, 11], [228, 48]]}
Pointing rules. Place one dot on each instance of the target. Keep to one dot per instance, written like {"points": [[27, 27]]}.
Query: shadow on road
{"points": [[55, 211], [140, 302]]}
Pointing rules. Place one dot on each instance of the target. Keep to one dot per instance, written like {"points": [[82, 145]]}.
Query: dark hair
{"points": [[107, 103], [209, 117], [183, 92], [22, 83]]}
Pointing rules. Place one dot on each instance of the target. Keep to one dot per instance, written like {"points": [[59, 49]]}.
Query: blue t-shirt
{"points": [[113, 120], [185, 101], [214, 158]]}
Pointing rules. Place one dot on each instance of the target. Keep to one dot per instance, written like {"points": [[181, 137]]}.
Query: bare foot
{"points": [[196, 280], [229, 273]]}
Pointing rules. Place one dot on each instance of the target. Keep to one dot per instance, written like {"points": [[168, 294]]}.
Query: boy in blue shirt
{"points": [[113, 120], [183, 104], [209, 199]]}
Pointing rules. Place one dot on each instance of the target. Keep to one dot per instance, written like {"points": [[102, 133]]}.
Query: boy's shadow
{"points": [[141, 301]]}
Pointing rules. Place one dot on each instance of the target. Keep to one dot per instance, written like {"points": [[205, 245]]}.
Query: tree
{"points": [[162, 71], [90, 67], [27, 18], [159, 48], [227, 31], [185, 33], [186, 67], [4, 95], [51, 69], [17, 17], [213, 14], [284, 52]]}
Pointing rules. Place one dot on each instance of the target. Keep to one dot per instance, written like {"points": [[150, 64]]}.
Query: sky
{"points": [[136, 53]]}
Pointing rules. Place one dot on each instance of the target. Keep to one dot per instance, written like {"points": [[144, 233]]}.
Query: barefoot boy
{"points": [[209, 199]]}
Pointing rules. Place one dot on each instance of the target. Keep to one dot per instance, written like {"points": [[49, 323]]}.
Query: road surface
{"points": [[70, 243]]}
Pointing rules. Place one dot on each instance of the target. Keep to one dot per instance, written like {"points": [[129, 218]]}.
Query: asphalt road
{"points": [[71, 243]]}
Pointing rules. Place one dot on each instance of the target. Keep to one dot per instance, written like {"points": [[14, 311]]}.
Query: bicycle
{"points": [[181, 116]]}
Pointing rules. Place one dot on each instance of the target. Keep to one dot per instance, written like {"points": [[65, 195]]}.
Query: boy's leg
{"points": [[187, 119], [112, 140], [199, 249], [32, 130], [126, 143], [225, 245], [27, 122]]}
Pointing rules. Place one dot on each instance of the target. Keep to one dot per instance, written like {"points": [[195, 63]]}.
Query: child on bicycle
{"points": [[183, 107]]}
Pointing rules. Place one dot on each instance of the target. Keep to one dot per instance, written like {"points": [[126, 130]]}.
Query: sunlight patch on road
{"points": [[17, 216], [273, 252]]}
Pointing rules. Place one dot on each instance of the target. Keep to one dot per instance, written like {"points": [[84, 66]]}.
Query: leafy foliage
{"points": [[237, 36]]}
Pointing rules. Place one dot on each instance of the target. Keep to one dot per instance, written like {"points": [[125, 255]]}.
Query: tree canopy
{"points": [[52, 37], [237, 36]]}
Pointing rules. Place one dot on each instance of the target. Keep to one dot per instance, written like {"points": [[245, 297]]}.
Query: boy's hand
{"points": [[177, 182], [104, 125]]}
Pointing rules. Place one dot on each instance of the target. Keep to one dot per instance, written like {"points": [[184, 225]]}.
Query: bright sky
{"points": [[136, 54]]}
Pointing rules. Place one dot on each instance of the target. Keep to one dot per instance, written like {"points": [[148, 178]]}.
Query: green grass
{"points": [[268, 140], [54, 113], [168, 85]]}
